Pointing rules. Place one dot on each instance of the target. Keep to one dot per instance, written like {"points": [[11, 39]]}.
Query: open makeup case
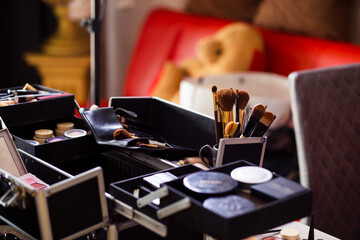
{"points": [[94, 182]]}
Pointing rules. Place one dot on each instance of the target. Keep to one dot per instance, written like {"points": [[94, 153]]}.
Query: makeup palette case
{"points": [[43, 202], [181, 131], [24, 118], [235, 214]]}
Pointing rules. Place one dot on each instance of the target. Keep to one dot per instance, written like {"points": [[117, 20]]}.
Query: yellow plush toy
{"points": [[235, 47]]}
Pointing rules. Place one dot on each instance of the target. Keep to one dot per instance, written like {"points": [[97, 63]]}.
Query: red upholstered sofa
{"points": [[169, 35]]}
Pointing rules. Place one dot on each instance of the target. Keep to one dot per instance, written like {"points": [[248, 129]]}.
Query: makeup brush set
{"points": [[245, 123], [233, 201], [149, 125]]}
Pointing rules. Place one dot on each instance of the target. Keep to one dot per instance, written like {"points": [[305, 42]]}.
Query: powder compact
{"points": [[250, 175], [54, 139], [229, 206], [209, 182], [74, 133]]}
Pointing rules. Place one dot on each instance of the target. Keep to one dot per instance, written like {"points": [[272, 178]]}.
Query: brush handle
{"points": [[226, 120], [217, 125], [259, 130], [253, 121]]}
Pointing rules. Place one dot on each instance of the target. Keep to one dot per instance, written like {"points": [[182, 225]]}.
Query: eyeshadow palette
{"points": [[209, 182]]}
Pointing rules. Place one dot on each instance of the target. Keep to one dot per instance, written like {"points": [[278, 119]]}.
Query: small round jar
{"points": [[62, 127], [44, 133], [33, 142], [75, 133], [250, 175], [55, 139]]}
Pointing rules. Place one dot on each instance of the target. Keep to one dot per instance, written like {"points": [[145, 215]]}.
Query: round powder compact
{"points": [[229, 206], [209, 182], [75, 133], [55, 139], [249, 175], [33, 142]]}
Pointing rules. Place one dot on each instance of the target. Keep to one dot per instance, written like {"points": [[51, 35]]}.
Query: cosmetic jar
{"points": [[75, 133], [250, 175]]}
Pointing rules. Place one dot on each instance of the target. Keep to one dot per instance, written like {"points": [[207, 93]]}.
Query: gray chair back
{"points": [[325, 105]]}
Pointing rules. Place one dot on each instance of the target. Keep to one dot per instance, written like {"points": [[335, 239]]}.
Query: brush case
{"points": [[41, 110], [186, 207], [183, 132], [70, 207]]}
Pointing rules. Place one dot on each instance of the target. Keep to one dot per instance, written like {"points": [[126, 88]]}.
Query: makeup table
{"points": [[303, 230]]}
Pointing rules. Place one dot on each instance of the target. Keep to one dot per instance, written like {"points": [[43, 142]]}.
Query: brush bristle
{"points": [[243, 98], [267, 118], [214, 89], [258, 111], [226, 99], [231, 128], [121, 133]]}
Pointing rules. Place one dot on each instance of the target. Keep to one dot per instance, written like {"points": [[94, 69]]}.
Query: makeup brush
{"points": [[257, 112], [232, 128], [218, 130], [226, 99], [121, 133], [243, 99], [263, 125]]}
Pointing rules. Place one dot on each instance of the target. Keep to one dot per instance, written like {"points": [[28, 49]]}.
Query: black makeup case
{"points": [[183, 206], [70, 207], [183, 132], [23, 119], [24, 113]]}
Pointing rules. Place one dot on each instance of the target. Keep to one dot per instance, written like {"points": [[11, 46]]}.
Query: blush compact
{"points": [[229, 206], [209, 182]]}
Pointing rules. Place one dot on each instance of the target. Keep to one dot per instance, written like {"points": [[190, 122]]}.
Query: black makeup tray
{"points": [[268, 213], [70, 207], [41, 110], [55, 152]]}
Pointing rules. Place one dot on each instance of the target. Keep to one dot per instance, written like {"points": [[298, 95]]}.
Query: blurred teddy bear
{"points": [[234, 47]]}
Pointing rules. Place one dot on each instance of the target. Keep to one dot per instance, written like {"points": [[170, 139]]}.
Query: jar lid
{"points": [[43, 133], [251, 174], [64, 126], [74, 133]]}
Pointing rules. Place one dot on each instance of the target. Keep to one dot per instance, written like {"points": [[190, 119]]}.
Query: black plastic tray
{"points": [[55, 152], [267, 214], [42, 110]]}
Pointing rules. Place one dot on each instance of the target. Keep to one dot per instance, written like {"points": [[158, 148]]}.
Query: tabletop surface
{"points": [[303, 230]]}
